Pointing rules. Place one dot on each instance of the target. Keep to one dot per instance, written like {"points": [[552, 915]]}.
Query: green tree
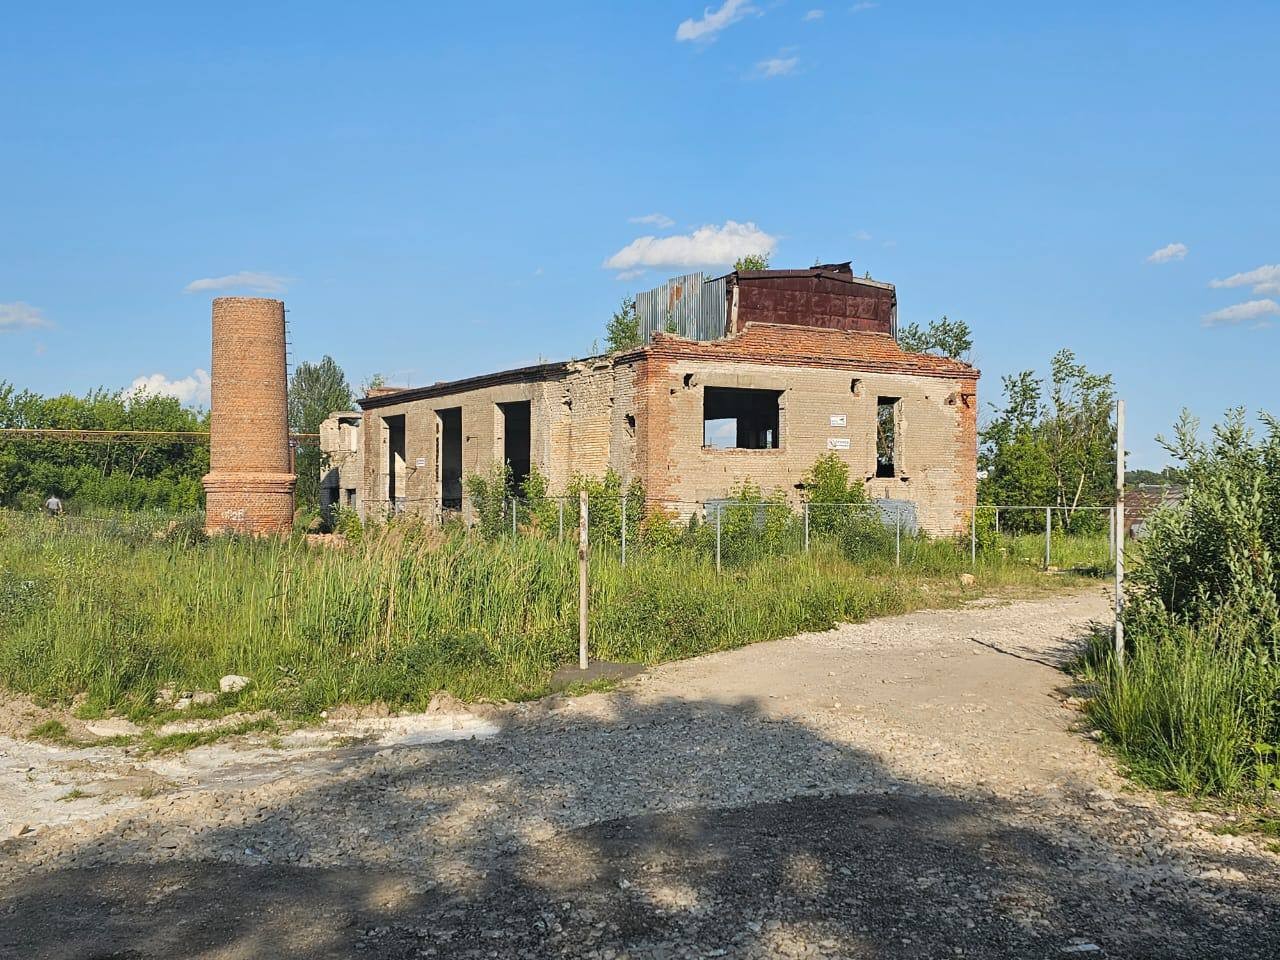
{"points": [[752, 261], [1051, 451], [315, 391], [949, 338], [623, 330], [132, 475]]}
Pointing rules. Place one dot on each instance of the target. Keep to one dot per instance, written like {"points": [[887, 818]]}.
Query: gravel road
{"points": [[912, 787]]}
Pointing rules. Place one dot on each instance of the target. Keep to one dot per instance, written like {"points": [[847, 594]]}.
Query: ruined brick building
{"points": [[768, 370]]}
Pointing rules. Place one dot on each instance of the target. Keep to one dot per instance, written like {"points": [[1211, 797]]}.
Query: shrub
{"points": [[1196, 704], [488, 494]]}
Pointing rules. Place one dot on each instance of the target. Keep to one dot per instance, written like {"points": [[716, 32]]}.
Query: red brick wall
{"points": [[249, 487]]}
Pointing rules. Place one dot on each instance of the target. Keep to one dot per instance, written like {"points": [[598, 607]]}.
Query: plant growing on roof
{"points": [[947, 338], [623, 330], [752, 261]]}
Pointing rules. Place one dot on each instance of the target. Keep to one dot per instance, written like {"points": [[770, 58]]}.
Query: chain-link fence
{"points": [[732, 533]]}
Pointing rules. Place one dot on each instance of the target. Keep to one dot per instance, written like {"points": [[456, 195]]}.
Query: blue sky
{"points": [[440, 190]]}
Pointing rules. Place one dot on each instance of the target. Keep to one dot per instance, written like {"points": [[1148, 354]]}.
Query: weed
{"points": [[51, 731], [177, 742]]}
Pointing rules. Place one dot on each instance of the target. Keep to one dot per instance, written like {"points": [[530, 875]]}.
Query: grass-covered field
{"points": [[104, 610]]}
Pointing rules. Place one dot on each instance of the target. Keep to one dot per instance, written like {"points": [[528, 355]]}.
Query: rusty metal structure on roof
{"points": [[826, 295]]}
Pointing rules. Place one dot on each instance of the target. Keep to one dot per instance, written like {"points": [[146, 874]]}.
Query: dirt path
{"points": [[907, 787]]}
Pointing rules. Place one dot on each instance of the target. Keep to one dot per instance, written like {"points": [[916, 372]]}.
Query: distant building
{"points": [[798, 364], [340, 475], [1143, 500]]}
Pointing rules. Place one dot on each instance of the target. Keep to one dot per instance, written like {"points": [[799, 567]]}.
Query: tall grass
{"points": [[1193, 708], [115, 613], [1196, 704]]}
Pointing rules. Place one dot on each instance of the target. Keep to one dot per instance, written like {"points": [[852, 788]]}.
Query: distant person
{"points": [[53, 506]]}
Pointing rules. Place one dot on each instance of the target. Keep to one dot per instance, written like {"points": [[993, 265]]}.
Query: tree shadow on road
{"points": [[663, 829]]}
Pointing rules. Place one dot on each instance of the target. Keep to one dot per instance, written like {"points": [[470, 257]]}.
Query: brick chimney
{"points": [[249, 487]]}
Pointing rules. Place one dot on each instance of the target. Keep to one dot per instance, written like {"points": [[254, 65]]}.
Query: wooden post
{"points": [[1119, 532], [719, 510], [583, 546], [973, 537]]}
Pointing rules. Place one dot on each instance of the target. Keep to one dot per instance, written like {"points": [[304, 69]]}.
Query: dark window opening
{"points": [[740, 419], [449, 457], [515, 443], [397, 488], [351, 497], [630, 421], [886, 436]]}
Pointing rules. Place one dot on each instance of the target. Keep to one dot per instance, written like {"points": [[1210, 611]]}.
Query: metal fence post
{"points": [[1048, 534], [583, 567], [1111, 534], [1119, 534], [806, 526], [624, 529], [719, 510]]}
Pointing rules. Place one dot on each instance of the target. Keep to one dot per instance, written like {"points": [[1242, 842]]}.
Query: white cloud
{"points": [[777, 66], [713, 21], [1264, 279], [659, 220], [709, 245], [193, 391], [1242, 313], [863, 7], [1173, 251], [632, 274], [244, 280], [21, 316], [814, 15], [862, 235]]}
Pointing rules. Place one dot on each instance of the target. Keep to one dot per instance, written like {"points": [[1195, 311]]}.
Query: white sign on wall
{"points": [[839, 420], [837, 443], [420, 462]]}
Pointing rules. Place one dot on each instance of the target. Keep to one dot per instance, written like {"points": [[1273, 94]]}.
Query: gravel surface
{"points": [[916, 786]]}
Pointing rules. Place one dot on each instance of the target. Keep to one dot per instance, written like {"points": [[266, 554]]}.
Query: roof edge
{"points": [[535, 372]]}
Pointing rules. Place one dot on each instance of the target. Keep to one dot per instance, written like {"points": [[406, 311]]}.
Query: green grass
{"points": [[1193, 709], [115, 614], [176, 742], [1252, 825], [53, 732]]}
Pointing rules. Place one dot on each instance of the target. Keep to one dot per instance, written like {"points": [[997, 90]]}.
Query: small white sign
{"points": [[837, 443], [420, 462], [839, 420]]}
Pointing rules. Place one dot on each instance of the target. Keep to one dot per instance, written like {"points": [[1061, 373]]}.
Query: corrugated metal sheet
{"points": [[693, 304]]}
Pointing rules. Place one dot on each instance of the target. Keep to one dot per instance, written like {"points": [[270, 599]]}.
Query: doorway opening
{"points": [[516, 440], [397, 486], [449, 457]]}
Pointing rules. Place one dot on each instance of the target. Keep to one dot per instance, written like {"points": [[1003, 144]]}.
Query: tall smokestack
{"points": [[249, 487]]}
